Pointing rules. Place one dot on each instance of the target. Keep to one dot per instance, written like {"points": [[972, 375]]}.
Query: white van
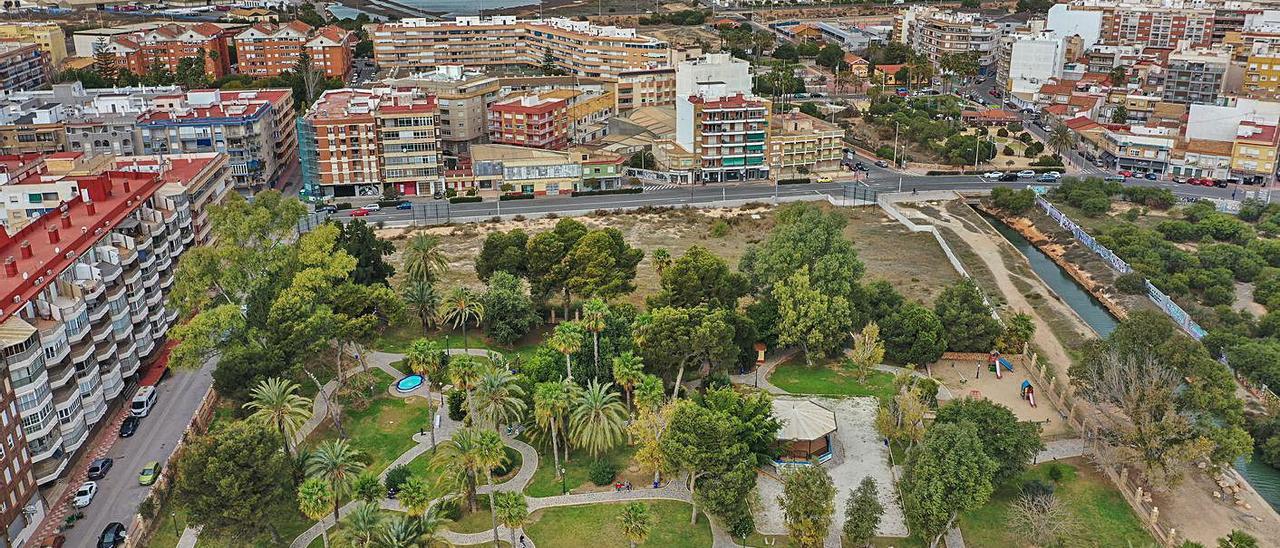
{"points": [[142, 401]]}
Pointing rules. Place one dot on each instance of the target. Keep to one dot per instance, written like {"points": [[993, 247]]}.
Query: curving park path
{"points": [[676, 491]]}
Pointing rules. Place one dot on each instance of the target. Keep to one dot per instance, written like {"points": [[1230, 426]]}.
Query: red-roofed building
{"points": [[168, 45], [266, 49], [989, 117], [730, 137], [531, 121]]}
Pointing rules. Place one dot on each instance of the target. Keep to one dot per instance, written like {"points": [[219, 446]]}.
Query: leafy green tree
{"points": [[637, 522], [276, 402], [818, 322], [1013, 444], [1120, 115], [423, 259], [805, 236], [948, 473], [1016, 202], [863, 512], [967, 323], [699, 277], [602, 264], [336, 462], [359, 241], [314, 498], [226, 478], [913, 334], [830, 56], [866, 352], [505, 252], [545, 260], [702, 443], [808, 504], [598, 419], [509, 312], [1017, 332], [671, 339], [512, 511]]}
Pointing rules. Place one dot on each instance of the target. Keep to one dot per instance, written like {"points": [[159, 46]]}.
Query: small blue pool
{"points": [[408, 384]]}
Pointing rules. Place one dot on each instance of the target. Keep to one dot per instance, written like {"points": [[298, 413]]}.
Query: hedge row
{"points": [[632, 190], [464, 199], [801, 181], [515, 196], [1058, 169]]}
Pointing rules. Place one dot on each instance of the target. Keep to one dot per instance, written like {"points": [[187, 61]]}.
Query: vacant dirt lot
{"points": [[913, 263]]}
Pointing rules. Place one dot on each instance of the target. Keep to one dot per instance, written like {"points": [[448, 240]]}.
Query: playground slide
{"points": [[1006, 364], [1031, 398]]}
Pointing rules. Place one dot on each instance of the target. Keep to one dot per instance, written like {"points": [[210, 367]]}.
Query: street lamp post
{"points": [[564, 486], [174, 517], [896, 126]]}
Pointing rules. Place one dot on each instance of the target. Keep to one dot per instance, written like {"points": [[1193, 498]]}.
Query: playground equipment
{"points": [[995, 362], [1028, 393]]}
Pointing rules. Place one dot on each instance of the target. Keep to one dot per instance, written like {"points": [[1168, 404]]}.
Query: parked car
{"points": [[1055, 174], [1151, 177], [1114, 179], [150, 472], [993, 174], [130, 426], [824, 179], [362, 212], [405, 204], [1200, 181], [1125, 173], [859, 166], [1179, 179], [1010, 176], [112, 536], [99, 467], [85, 494], [1026, 174], [327, 208], [371, 207], [1047, 178], [1221, 183]]}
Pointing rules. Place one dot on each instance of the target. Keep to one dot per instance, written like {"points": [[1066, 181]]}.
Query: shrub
{"points": [[457, 401], [885, 151], [1036, 487], [1015, 127], [1131, 214], [1047, 160], [396, 476], [1013, 201], [602, 472], [1002, 132], [507, 465], [1055, 472], [719, 229], [465, 199], [631, 190], [343, 205], [515, 196], [1131, 284], [449, 193], [1008, 151], [795, 181]]}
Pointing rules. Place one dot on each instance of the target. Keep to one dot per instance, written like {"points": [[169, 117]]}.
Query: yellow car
{"points": [[824, 179]]}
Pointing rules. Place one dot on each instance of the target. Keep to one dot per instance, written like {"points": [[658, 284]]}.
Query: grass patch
{"points": [[397, 339], [571, 526], [474, 522], [383, 430], [286, 518], [796, 377], [421, 466], [1105, 518], [545, 483]]}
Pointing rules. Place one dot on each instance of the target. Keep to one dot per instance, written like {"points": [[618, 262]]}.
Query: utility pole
{"points": [[896, 126]]}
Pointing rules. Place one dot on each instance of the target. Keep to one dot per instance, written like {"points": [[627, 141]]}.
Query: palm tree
{"points": [[422, 298], [598, 418], [550, 403], [637, 521], [338, 463], [460, 307], [276, 402], [423, 260], [431, 523], [400, 532], [364, 523], [567, 340], [464, 373], [595, 314], [457, 464], [661, 260], [314, 497], [499, 398], [425, 357], [512, 509], [628, 371], [1061, 138], [488, 454]]}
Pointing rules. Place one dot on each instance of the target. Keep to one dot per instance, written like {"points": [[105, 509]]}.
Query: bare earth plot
{"points": [[912, 262]]}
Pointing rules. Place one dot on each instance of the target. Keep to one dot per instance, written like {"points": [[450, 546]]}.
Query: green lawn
{"points": [[756, 540], [384, 429], [825, 379], [545, 484], [1105, 518], [398, 337], [420, 467], [597, 525]]}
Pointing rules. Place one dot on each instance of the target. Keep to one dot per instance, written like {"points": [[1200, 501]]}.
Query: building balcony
{"points": [[48, 457], [81, 351], [154, 298], [147, 258], [127, 255], [146, 346], [129, 365], [101, 333], [109, 272], [74, 433], [166, 281], [105, 352], [132, 277], [60, 375]]}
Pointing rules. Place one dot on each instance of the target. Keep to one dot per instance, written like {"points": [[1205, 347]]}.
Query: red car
{"points": [[1126, 173], [362, 212], [1202, 181]]}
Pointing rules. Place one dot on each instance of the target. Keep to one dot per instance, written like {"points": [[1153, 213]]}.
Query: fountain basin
{"points": [[409, 383]]}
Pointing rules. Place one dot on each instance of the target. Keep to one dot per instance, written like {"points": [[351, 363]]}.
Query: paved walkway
{"points": [[1061, 449], [760, 376]]}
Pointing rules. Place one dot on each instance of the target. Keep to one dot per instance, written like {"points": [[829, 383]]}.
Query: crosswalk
{"points": [[650, 187]]}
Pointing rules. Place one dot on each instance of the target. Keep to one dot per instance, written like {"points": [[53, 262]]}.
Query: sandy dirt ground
{"points": [[958, 376]]}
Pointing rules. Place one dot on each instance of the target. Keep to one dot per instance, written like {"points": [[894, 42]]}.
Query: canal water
{"points": [[1263, 478]]}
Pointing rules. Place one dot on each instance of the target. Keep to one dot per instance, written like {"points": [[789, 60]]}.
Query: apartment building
{"points": [[255, 128], [1139, 149], [1142, 24], [1253, 152], [267, 49], [800, 144], [85, 306], [69, 117], [1195, 77], [464, 98], [575, 47], [531, 121], [1027, 60], [937, 32], [23, 66], [646, 88], [48, 36], [166, 46], [719, 122], [357, 142], [1262, 65], [1202, 158]]}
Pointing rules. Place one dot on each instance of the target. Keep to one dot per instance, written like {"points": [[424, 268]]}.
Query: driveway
{"points": [[119, 493]]}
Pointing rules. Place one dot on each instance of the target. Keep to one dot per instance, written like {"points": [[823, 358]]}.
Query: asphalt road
{"points": [[119, 493]]}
